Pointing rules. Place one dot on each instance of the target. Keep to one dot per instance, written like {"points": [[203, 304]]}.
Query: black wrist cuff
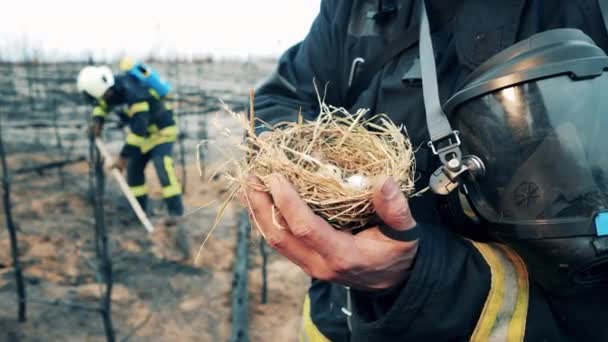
{"points": [[407, 235]]}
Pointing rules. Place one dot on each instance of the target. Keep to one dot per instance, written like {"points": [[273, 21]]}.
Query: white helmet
{"points": [[95, 80]]}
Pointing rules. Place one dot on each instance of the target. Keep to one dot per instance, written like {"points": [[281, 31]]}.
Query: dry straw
{"points": [[332, 161]]}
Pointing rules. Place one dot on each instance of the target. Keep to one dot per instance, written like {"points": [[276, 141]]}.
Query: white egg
{"points": [[358, 181]]}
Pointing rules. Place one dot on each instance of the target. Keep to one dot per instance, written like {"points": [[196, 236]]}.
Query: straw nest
{"points": [[332, 161]]}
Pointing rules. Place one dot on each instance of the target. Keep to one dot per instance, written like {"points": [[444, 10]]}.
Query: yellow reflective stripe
{"points": [[504, 315], [135, 140], [310, 332], [154, 141], [99, 111], [164, 135], [170, 131], [139, 190], [174, 188], [495, 296], [138, 107], [517, 326], [154, 93], [152, 128]]}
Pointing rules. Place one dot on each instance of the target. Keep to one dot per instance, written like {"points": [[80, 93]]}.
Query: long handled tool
{"points": [[124, 187]]}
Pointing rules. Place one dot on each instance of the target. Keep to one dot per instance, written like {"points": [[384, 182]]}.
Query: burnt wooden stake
{"points": [[104, 263], [182, 159], [202, 136], [240, 296], [182, 134], [264, 253], [12, 230], [58, 139]]}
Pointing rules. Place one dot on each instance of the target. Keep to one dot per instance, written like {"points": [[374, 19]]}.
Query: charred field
{"points": [[156, 296]]}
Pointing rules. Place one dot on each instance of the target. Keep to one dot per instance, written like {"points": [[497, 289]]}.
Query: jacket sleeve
{"points": [[443, 297], [100, 111], [139, 117], [290, 88]]}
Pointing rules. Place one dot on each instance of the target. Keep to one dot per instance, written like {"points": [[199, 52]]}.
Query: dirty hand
{"points": [[95, 130], [120, 164], [367, 261]]}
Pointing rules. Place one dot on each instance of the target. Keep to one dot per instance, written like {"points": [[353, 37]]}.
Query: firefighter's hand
{"points": [[95, 129], [120, 164], [367, 261]]}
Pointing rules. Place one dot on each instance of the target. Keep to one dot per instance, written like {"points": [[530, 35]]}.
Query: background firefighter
{"points": [[153, 129]]}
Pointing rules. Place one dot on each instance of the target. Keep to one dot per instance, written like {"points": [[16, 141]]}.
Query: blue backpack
{"points": [[149, 77]]}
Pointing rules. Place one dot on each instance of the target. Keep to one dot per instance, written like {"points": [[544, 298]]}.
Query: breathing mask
{"points": [[522, 147]]}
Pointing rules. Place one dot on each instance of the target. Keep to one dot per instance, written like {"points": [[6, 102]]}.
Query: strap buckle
{"points": [[449, 153], [453, 140]]}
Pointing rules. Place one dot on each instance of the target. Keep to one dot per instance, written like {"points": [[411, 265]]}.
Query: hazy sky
{"points": [[71, 28]]}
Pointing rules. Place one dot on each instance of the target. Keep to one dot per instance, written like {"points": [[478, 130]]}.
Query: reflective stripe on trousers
{"points": [[139, 190], [174, 188]]}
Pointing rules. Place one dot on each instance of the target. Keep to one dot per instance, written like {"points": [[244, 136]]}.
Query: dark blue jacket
{"points": [[150, 120], [454, 291]]}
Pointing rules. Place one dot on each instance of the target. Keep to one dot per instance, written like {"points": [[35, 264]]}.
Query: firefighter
{"points": [[512, 243], [152, 125]]}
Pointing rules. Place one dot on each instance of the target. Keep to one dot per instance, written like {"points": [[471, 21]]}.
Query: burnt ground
{"points": [[157, 296], [163, 297]]}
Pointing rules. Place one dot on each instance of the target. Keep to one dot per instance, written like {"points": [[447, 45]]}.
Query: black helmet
{"points": [[532, 121]]}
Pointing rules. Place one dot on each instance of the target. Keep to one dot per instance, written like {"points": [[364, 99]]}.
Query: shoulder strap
{"points": [[444, 140]]}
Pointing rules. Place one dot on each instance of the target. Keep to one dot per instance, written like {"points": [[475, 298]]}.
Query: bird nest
{"points": [[332, 161]]}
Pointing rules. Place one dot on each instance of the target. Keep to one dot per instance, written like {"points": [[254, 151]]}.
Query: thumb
{"points": [[392, 206]]}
